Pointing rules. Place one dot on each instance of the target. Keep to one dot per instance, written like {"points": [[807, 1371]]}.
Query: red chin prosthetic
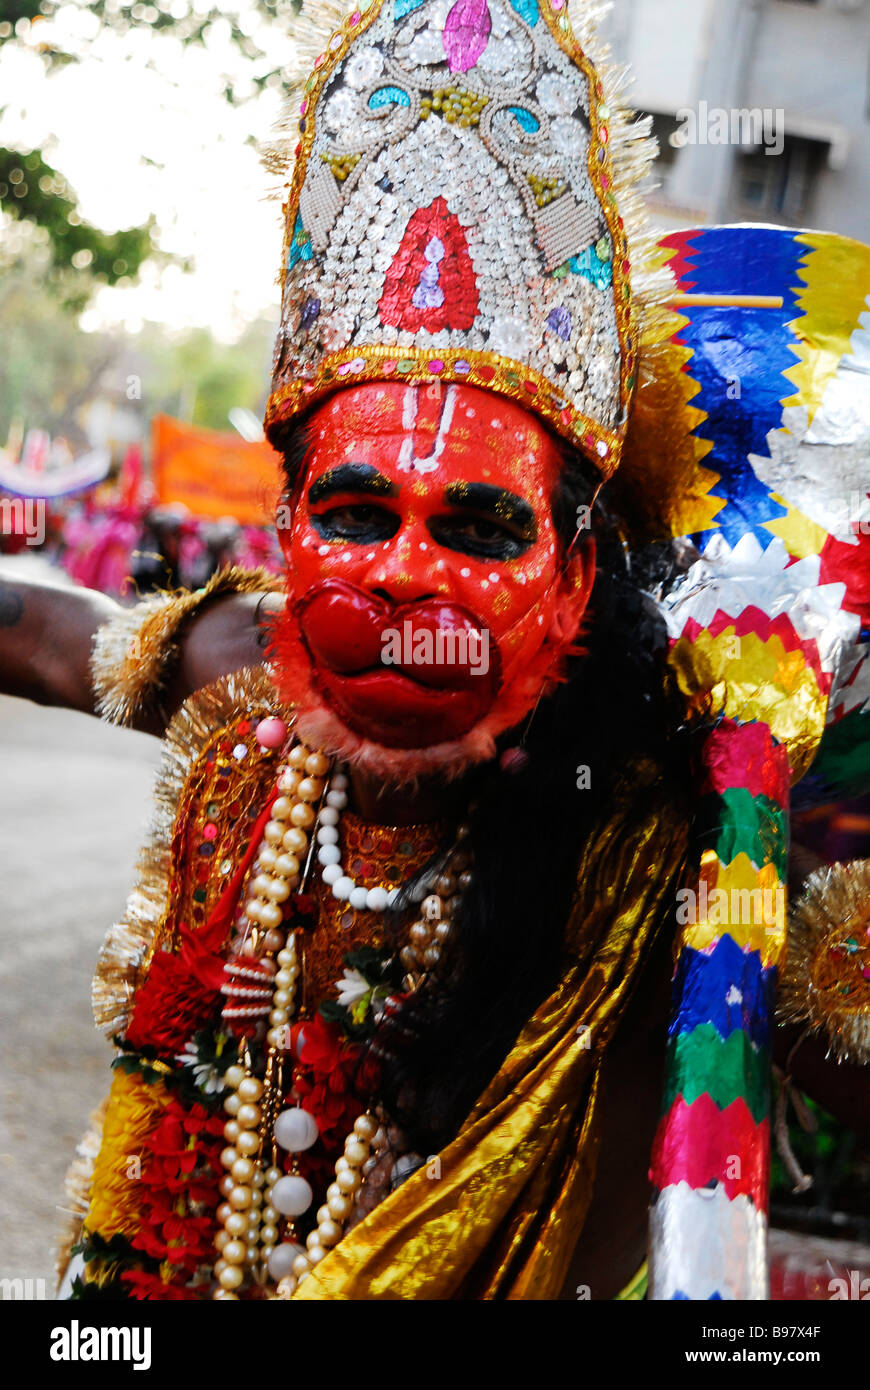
{"points": [[429, 601]]}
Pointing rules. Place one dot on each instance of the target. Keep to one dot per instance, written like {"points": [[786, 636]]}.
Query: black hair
{"points": [[529, 823]]}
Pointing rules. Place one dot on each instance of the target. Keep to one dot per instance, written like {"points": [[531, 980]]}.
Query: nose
{"points": [[395, 597], [404, 570]]}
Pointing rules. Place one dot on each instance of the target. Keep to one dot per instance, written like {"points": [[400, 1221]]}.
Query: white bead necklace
{"points": [[329, 855]]}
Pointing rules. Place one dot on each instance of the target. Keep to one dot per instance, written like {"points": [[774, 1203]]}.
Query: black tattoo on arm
{"points": [[11, 606]]}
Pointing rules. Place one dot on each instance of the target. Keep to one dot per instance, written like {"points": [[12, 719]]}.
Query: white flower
{"points": [[208, 1078], [351, 988], [205, 1076], [365, 66]]}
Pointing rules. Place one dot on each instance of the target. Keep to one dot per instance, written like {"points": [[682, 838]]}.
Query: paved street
{"points": [[74, 801]]}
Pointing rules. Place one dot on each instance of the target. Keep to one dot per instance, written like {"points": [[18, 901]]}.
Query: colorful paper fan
{"points": [[752, 440]]}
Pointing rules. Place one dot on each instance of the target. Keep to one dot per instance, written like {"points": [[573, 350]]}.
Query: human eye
{"points": [[485, 536], [355, 521]]}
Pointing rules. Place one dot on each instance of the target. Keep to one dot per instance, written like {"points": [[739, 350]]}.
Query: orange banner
{"points": [[214, 474]]}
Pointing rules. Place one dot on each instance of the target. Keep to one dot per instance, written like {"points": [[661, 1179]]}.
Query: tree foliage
{"points": [[32, 191], [51, 372]]}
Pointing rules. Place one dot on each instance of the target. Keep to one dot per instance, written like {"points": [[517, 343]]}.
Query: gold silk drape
{"points": [[503, 1218]]}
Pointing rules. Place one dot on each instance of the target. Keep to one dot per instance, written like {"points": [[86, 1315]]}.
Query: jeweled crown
{"points": [[452, 216]]}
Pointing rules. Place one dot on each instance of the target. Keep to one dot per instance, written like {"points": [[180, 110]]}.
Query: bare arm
{"points": [[47, 633]]}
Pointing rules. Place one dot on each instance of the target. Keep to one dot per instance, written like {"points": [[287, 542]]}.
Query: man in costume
{"points": [[390, 996]]}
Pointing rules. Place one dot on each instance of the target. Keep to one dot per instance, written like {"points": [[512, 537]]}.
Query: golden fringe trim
{"points": [[833, 910], [312, 30], [135, 651], [129, 943], [77, 1187]]}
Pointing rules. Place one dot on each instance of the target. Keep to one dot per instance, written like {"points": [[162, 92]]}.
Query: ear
{"points": [[575, 589]]}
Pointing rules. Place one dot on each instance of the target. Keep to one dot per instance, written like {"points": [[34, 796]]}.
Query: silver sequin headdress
{"points": [[461, 209]]}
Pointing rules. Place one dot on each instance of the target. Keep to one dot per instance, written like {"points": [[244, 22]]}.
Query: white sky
{"points": [[98, 120]]}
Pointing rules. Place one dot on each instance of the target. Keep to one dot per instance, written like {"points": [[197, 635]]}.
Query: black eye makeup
{"points": [[363, 522], [498, 525], [483, 521], [483, 537]]}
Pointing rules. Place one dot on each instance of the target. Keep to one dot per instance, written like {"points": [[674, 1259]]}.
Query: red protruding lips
{"points": [[410, 701]]}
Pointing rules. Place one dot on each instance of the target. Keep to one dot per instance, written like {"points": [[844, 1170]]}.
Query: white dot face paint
{"points": [[493, 577], [323, 550], [465, 572]]}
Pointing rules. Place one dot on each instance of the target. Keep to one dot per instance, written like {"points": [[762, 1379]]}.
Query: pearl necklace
{"points": [[257, 1192], [329, 855]]}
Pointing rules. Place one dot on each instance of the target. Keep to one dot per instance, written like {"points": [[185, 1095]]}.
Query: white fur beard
{"points": [[322, 728]]}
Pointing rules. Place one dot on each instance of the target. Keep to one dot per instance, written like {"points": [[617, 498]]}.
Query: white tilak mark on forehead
{"points": [[409, 420], [407, 460]]}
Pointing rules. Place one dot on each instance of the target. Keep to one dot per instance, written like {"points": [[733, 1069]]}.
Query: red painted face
{"points": [[426, 572]]}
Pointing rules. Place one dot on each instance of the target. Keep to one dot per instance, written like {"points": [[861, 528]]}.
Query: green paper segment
{"points": [[701, 1062], [736, 822]]}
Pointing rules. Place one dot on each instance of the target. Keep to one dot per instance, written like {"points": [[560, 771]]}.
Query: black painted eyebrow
{"points": [[352, 477], [488, 498]]}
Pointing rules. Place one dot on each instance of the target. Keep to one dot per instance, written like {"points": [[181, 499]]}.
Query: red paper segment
{"points": [[701, 1144]]}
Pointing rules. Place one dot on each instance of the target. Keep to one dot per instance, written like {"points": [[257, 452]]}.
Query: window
{"points": [[780, 187]]}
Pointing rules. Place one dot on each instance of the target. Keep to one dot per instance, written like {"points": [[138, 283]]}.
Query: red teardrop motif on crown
{"points": [[452, 300]]}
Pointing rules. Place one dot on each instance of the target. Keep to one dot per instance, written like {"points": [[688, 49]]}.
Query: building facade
{"points": [[761, 108]]}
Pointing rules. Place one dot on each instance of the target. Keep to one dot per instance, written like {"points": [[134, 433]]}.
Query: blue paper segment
{"points": [[525, 118], [745, 351], [300, 244], [728, 988]]}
